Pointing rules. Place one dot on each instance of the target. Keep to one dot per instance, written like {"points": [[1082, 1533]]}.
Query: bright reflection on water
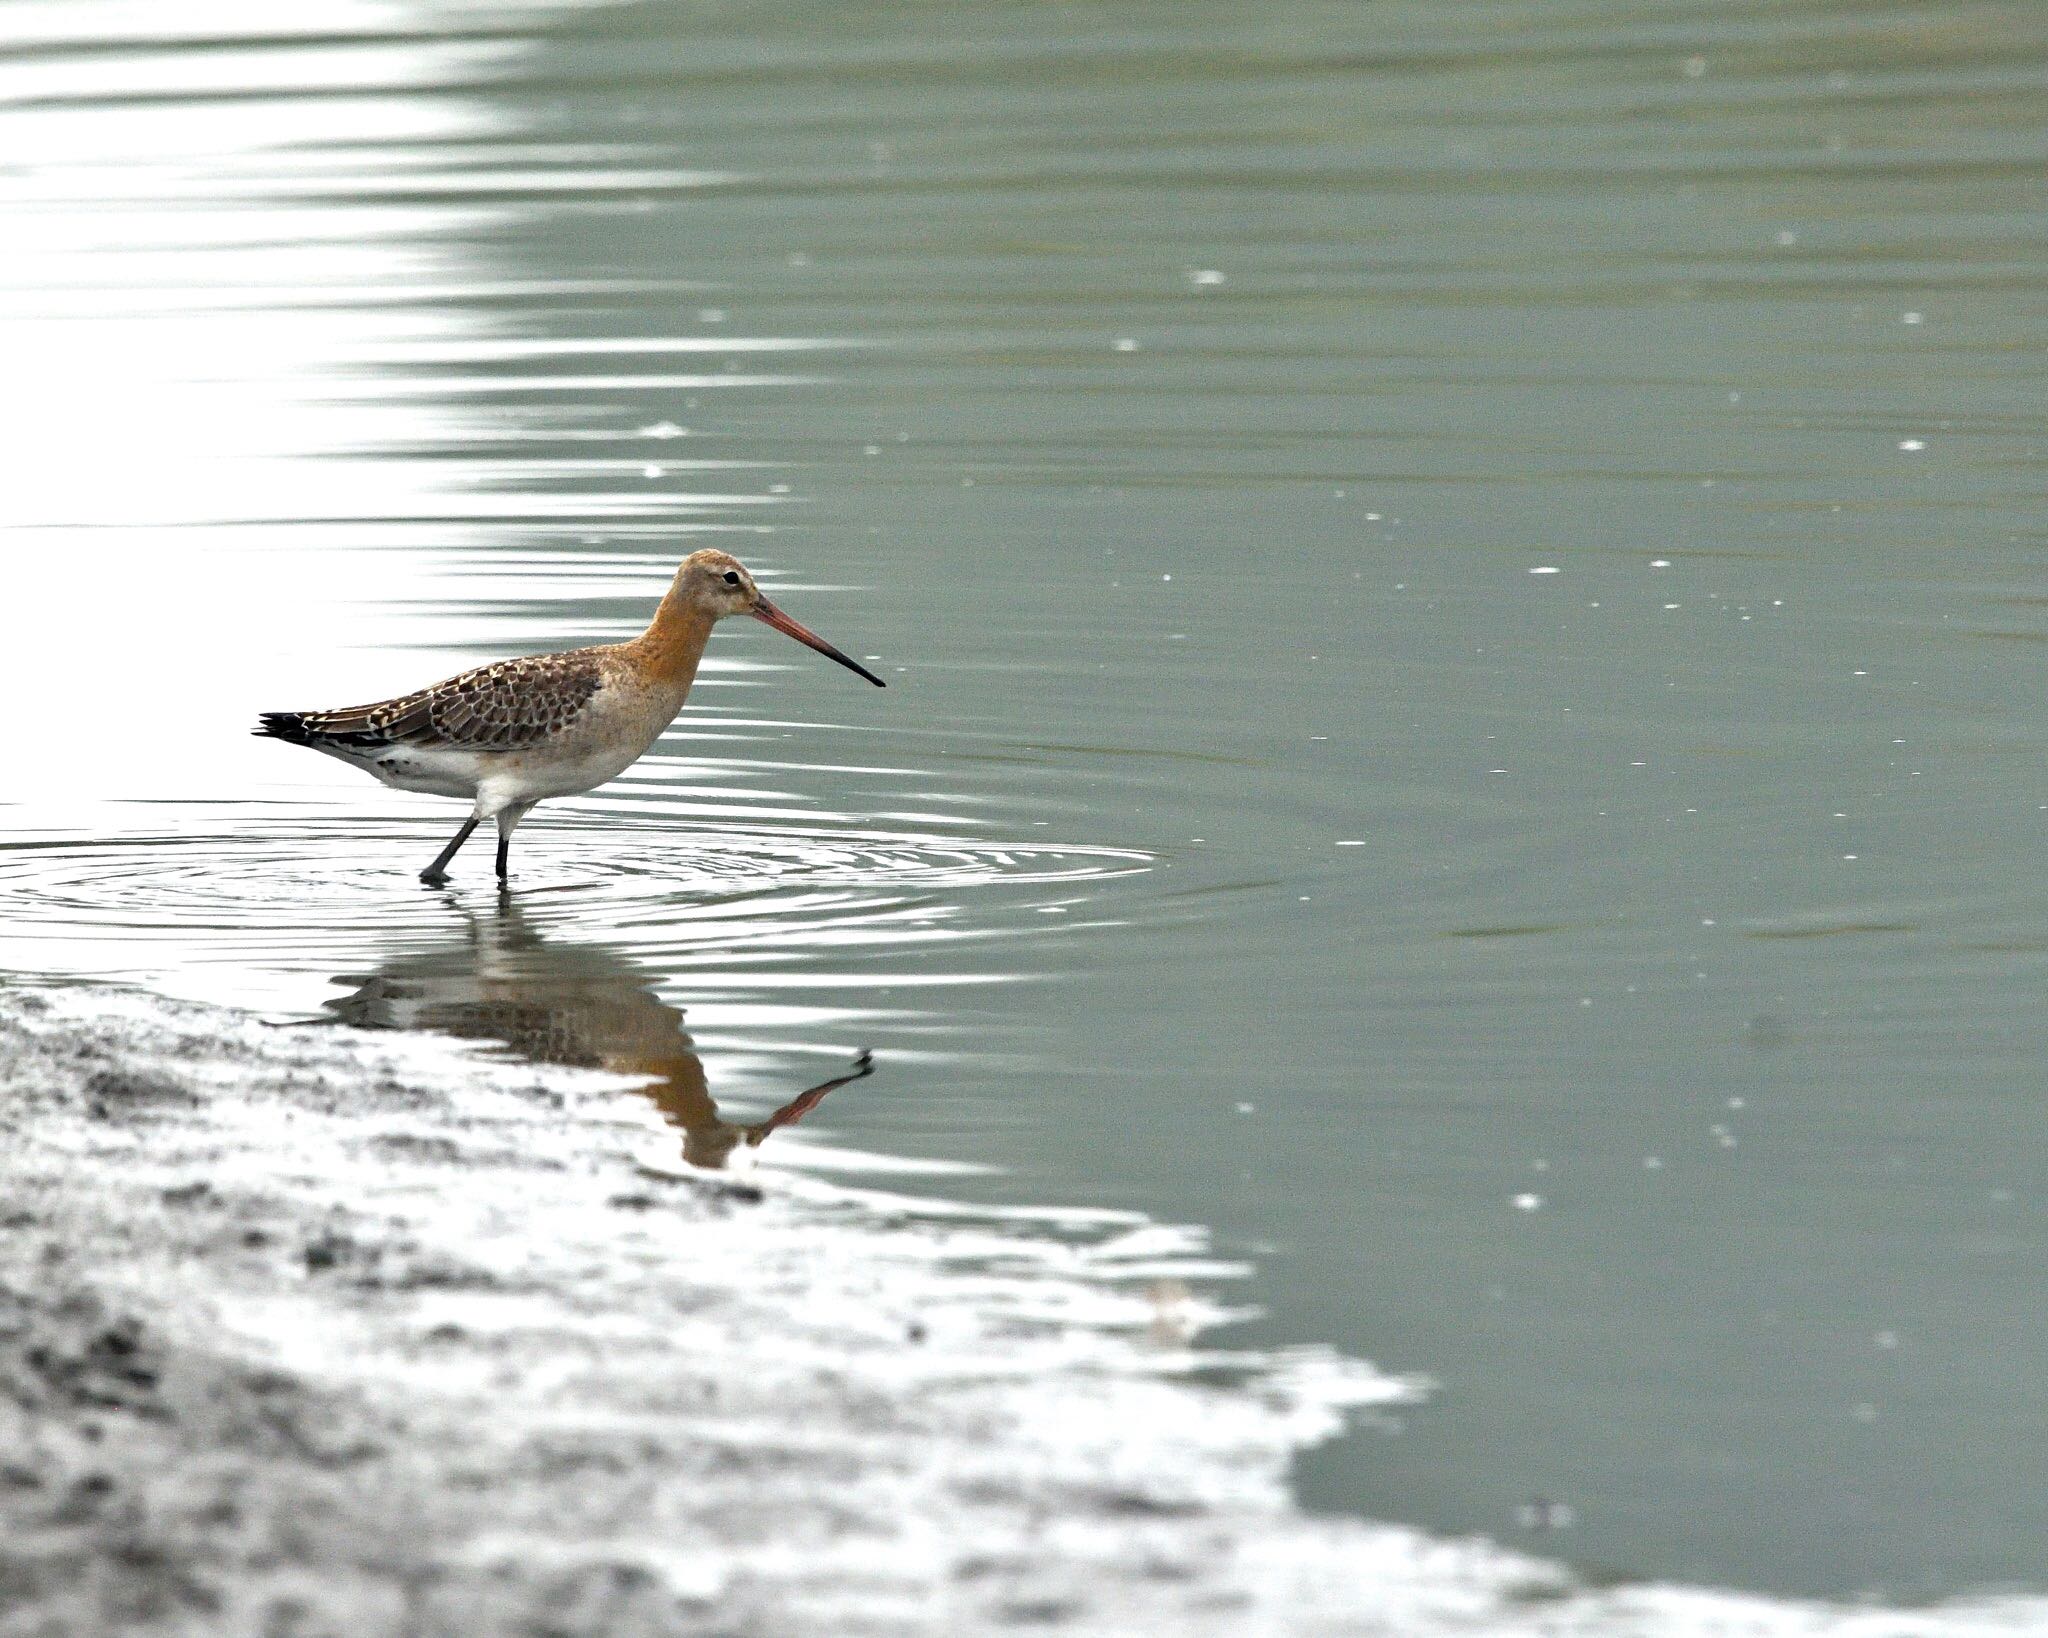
{"points": [[1462, 596]]}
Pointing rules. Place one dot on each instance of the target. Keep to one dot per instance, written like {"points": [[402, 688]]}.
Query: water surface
{"points": [[1462, 591]]}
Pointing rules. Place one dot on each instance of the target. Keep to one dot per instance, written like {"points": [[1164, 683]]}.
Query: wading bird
{"points": [[514, 733]]}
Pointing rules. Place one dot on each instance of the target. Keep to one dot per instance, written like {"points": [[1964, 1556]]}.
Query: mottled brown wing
{"points": [[500, 707]]}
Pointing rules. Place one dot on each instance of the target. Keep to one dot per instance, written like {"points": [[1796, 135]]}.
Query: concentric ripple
{"points": [[297, 895]]}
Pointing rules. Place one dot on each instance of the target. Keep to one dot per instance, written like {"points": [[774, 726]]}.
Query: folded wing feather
{"points": [[504, 706]]}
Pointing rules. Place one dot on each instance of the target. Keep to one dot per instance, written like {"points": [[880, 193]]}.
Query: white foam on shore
{"points": [[828, 1409]]}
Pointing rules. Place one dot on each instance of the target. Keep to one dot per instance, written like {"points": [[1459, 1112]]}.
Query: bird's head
{"points": [[717, 584]]}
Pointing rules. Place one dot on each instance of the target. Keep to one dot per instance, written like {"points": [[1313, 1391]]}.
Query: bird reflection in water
{"points": [[581, 1005]]}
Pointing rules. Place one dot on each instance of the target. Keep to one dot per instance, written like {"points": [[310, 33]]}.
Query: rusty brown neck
{"points": [[674, 641]]}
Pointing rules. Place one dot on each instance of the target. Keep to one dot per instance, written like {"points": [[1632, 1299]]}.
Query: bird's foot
{"points": [[434, 878]]}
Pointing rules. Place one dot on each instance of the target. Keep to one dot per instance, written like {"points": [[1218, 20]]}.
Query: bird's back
{"points": [[508, 705]]}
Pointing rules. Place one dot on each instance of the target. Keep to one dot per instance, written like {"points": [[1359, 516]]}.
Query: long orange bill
{"points": [[769, 615]]}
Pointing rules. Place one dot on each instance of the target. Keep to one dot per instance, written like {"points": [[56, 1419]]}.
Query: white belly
{"points": [[431, 772], [530, 776]]}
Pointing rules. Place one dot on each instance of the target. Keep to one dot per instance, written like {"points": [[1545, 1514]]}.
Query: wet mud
{"points": [[310, 1331]]}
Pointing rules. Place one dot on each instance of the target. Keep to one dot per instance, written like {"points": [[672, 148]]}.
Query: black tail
{"points": [[289, 726]]}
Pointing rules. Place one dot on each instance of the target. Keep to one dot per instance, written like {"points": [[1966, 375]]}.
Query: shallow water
{"points": [[1461, 592]]}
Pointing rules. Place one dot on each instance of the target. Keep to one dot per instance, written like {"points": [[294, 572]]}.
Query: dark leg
{"points": [[437, 872], [508, 821]]}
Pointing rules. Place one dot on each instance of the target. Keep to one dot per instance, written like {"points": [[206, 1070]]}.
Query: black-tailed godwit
{"points": [[508, 735]]}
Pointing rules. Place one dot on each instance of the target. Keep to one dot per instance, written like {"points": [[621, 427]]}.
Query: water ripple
{"points": [[748, 894]]}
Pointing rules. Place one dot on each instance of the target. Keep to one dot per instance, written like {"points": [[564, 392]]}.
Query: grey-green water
{"points": [[1463, 588]]}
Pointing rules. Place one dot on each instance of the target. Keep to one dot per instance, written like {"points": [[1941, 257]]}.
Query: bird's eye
{"points": [[731, 579]]}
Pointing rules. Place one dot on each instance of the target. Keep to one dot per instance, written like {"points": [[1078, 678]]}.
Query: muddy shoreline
{"points": [[313, 1331]]}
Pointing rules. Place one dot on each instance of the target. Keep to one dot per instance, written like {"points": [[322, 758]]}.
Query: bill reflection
{"points": [[584, 1006]]}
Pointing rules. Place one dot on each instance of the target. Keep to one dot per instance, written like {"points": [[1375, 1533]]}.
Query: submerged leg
{"points": [[437, 872], [508, 820]]}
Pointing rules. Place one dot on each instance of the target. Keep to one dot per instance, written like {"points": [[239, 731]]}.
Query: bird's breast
{"points": [[613, 732]]}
